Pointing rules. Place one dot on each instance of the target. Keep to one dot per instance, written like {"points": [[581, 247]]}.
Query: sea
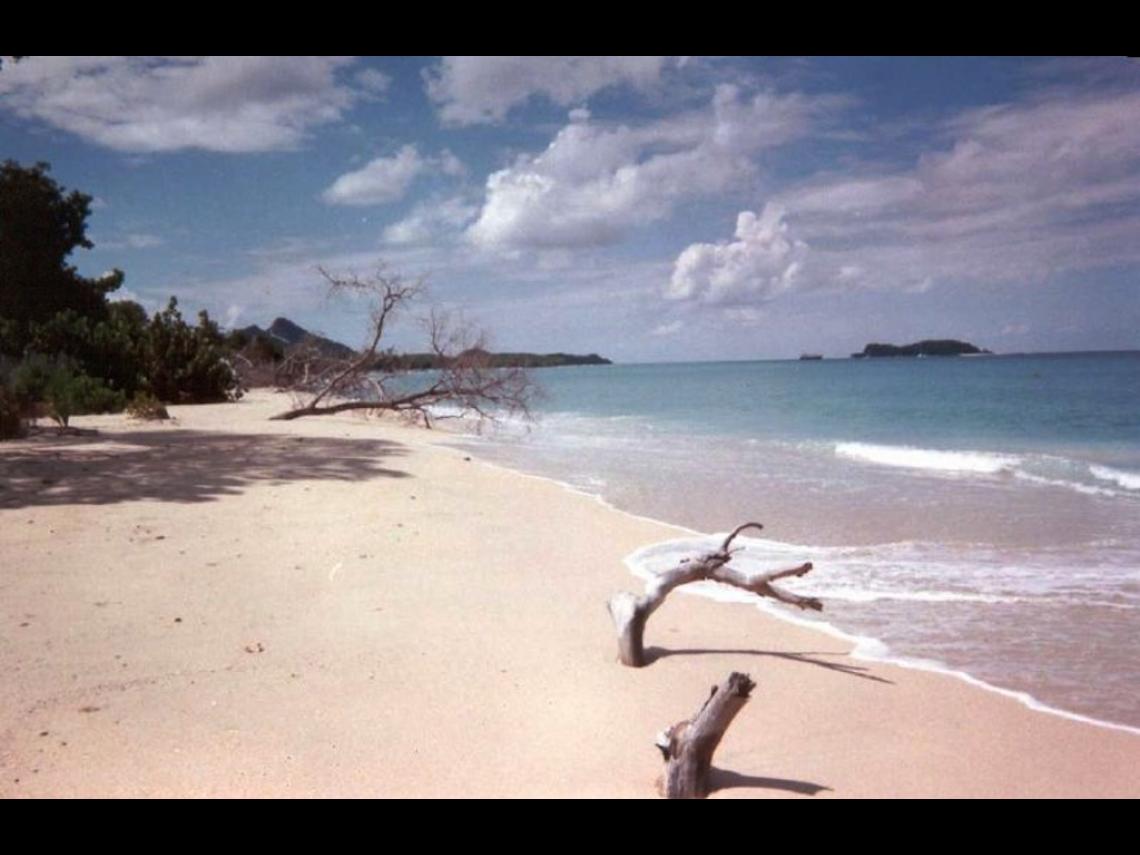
{"points": [[978, 515]]}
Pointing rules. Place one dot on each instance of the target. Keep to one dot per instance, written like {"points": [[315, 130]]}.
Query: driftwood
{"points": [[630, 612], [688, 746], [466, 383]]}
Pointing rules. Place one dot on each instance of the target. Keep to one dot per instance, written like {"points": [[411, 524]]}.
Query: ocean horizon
{"points": [[978, 515]]}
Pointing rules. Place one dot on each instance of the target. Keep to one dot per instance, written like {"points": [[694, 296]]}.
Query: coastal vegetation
{"points": [[926, 347], [66, 347]]}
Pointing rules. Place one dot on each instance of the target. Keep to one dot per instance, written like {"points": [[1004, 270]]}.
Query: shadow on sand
{"points": [[722, 779], [652, 654], [177, 465]]}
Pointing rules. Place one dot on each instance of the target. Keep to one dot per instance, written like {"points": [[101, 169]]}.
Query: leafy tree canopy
{"points": [[41, 224]]}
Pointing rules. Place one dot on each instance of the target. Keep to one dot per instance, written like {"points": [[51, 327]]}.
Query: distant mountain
{"points": [[430, 361], [286, 334], [926, 347], [290, 335]]}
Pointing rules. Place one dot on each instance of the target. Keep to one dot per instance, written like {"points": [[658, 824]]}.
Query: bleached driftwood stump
{"points": [[630, 612], [688, 746]]}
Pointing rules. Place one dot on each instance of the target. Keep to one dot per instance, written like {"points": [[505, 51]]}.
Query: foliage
{"points": [[41, 224], [187, 364], [58, 382], [146, 407], [81, 352], [112, 348]]}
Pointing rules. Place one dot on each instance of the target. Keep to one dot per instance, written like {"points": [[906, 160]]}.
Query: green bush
{"points": [[77, 394], [66, 390], [147, 407], [188, 365]]}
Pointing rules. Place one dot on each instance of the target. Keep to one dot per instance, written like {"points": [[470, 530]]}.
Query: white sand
{"points": [[232, 606]]}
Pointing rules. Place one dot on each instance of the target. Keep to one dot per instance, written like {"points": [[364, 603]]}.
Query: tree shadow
{"points": [[177, 465], [722, 779], [652, 654]]}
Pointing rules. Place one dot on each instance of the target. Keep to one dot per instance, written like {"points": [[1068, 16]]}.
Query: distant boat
{"points": [[811, 356]]}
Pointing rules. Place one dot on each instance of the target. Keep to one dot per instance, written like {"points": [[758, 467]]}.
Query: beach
{"points": [[224, 605]]}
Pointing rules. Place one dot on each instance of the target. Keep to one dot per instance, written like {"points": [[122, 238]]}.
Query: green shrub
{"points": [[146, 407], [63, 387], [77, 394]]}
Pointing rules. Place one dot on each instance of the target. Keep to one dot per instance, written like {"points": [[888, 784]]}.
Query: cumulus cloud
{"points": [[595, 182], [1016, 192], [383, 180], [158, 104], [762, 262], [387, 179], [482, 89], [431, 221]]}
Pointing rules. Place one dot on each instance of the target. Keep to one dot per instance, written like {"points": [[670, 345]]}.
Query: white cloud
{"points": [[595, 182], [762, 262], [451, 165], [431, 221], [132, 241], [156, 104], [373, 81], [383, 180], [387, 179], [1019, 192], [475, 89], [666, 329]]}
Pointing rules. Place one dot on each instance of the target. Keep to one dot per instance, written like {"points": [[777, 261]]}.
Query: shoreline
{"points": [[495, 676], [857, 642]]}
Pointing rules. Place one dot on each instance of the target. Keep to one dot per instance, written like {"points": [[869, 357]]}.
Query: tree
{"points": [[465, 383], [184, 364], [41, 224]]}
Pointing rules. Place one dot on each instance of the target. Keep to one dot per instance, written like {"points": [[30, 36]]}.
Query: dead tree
{"points": [[688, 746], [630, 612], [461, 378]]}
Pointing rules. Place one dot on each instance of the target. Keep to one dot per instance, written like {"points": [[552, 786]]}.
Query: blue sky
{"points": [[646, 208]]}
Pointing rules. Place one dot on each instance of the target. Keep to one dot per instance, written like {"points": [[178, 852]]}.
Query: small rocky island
{"points": [[926, 347]]}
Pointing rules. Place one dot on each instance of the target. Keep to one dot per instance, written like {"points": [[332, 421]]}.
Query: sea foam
{"points": [[1127, 480], [925, 458]]}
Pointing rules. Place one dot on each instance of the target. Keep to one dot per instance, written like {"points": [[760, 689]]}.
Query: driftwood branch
{"points": [[466, 383], [689, 745], [630, 612]]}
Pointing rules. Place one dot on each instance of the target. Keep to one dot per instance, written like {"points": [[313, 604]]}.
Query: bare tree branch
{"points": [[463, 380]]}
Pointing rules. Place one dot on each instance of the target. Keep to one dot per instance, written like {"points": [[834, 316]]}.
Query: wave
{"points": [[1087, 489], [647, 562], [924, 458], [1127, 480]]}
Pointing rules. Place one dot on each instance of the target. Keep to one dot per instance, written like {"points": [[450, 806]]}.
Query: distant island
{"points": [[926, 347], [283, 335]]}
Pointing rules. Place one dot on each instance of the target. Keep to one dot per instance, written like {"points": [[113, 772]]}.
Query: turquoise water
{"points": [[982, 513]]}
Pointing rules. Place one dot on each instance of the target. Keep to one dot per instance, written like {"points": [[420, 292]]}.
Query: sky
{"points": [[644, 208]]}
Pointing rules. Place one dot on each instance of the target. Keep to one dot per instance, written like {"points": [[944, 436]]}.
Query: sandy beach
{"points": [[222, 605]]}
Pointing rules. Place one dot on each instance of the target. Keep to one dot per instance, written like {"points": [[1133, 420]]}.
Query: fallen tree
{"points": [[630, 612], [688, 746], [464, 384]]}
